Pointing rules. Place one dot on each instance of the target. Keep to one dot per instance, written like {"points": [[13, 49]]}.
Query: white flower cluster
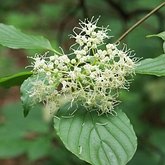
{"points": [[89, 35], [93, 73]]}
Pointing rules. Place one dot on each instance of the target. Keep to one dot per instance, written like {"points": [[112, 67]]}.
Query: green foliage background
{"points": [[32, 140]]}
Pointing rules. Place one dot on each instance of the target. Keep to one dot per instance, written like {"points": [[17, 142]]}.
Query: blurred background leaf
{"points": [[30, 138]]}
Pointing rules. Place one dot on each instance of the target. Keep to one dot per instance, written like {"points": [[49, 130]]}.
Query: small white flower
{"points": [[72, 75], [64, 83], [77, 69], [78, 56], [55, 70], [56, 62], [52, 58], [83, 59], [73, 61]]}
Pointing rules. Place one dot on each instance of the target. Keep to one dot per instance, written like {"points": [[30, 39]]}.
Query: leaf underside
{"points": [[26, 88], [99, 140], [27, 101], [161, 35]]}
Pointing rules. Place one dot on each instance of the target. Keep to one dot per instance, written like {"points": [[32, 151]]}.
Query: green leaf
{"points": [[14, 80], [152, 66], [11, 148], [20, 135], [15, 39], [161, 35], [27, 101], [21, 126], [40, 147], [28, 88], [157, 139], [99, 140]]}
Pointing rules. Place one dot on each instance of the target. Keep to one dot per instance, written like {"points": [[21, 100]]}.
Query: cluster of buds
{"points": [[92, 74]]}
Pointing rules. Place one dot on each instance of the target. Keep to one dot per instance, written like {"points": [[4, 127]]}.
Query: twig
{"points": [[139, 22], [158, 14]]}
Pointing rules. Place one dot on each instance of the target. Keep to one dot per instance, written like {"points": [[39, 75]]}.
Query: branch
{"points": [[139, 22], [158, 14]]}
